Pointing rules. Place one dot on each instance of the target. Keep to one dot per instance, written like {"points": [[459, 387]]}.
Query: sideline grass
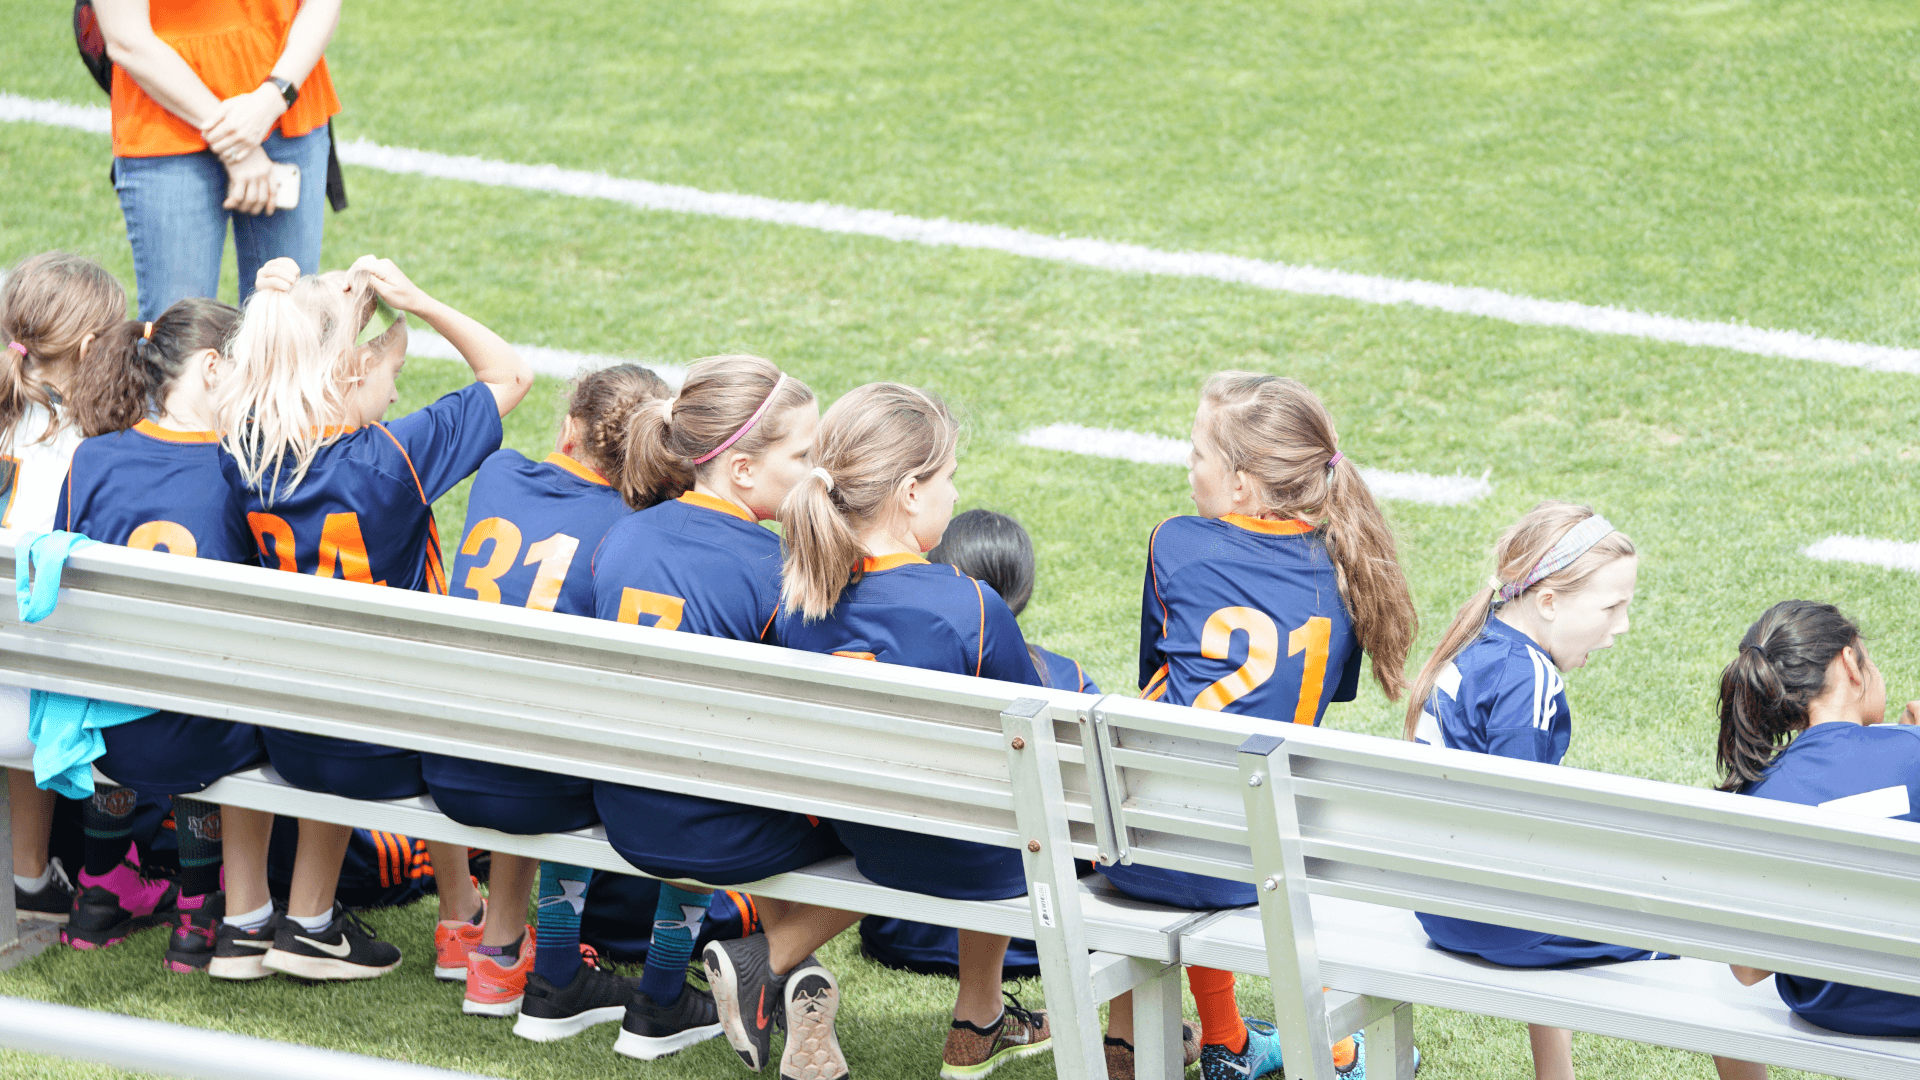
{"points": [[1700, 160]]}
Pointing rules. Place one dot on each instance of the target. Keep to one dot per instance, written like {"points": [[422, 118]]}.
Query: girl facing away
{"points": [[715, 461], [1802, 707], [329, 490], [151, 480], [856, 584], [532, 530], [1563, 582], [1261, 603], [53, 308]]}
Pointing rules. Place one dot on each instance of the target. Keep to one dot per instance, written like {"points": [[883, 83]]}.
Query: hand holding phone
{"points": [[286, 185]]}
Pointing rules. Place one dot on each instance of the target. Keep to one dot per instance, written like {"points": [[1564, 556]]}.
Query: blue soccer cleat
{"points": [[1259, 1057]]}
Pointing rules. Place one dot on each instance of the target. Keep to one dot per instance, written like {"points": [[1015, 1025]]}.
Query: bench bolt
{"points": [[1019, 743], [1255, 780], [1033, 846], [1270, 884]]}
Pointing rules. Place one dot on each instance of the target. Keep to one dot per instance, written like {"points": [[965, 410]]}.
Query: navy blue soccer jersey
{"points": [[532, 529], [364, 510], [1063, 673], [696, 563], [1502, 695], [1875, 772], [148, 487], [905, 610], [1244, 615]]}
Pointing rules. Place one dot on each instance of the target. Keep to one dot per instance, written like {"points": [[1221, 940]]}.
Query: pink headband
{"points": [[748, 426], [17, 347]]}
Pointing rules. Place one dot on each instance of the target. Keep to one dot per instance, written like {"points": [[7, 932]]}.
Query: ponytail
{"points": [[606, 406], [49, 305], [1516, 555], [1764, 693], [1277, 432], [869, 443], [733, 403], [128, 370]]}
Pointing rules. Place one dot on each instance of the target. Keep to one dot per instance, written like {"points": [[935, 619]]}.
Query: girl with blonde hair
{"points": [[329, 490]]}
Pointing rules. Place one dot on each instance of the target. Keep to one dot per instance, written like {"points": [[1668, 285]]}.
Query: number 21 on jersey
{"points": [[1314, 638]]}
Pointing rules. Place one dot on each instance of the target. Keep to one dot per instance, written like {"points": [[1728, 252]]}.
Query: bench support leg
{"points": [[1286, 917], [1390, 1044], [1040, 807], [1157, 1049]]}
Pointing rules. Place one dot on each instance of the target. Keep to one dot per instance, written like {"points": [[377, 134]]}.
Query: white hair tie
{"points": [[666, 408], [825, 476]]}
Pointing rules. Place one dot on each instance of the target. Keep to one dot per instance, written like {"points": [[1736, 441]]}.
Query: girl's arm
{"points": [[244, 121], [1748, 976], [494, 362]]}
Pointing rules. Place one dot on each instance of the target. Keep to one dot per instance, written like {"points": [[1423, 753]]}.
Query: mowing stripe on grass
{"points": [[1160, 450], [1102, 254], [1865, 551], [560, 363]]}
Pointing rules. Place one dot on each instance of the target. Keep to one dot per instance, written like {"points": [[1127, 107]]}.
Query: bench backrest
{"points": [[1618, 859]]}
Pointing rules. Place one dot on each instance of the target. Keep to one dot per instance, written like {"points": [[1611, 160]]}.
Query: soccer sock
{"points": [[1220, 1022], [108, 820], [197, 829], [510, 953], [33, 885], [563, 896], [251, 920], [312, 924], [676, 926], [1344, 1052]]}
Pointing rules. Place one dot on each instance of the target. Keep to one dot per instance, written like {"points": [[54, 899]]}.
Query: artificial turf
{"points": [[1734, 161]]}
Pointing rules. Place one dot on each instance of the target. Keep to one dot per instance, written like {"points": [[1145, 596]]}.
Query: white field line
{"points": [[561, 363], [1891, 554], [1160, 450], [1102, 254]]}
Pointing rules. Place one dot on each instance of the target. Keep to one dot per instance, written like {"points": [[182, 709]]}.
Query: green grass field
{"points": [[1737, 161]]}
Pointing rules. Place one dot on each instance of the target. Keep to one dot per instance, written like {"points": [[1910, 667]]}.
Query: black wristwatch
{"points": [[287, 90]]}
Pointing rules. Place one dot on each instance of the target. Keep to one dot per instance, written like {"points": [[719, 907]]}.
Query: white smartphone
{"points": [[286, 185]]}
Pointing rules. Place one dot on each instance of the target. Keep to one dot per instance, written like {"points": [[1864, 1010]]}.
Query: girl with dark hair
{"points": [[149, 477], [533, 528], [1801, 711], [995, 549]]}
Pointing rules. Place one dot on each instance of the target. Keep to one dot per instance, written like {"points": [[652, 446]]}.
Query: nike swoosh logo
{"points": [[760, 1020], [341, 950], [261, 945], [1243, 1070]]}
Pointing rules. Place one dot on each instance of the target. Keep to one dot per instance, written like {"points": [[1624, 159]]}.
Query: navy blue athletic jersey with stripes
{"points": [[364, 510], [1063, 673], [905, 610], [696, 564], [532, 530], [1244, 615], [1503, 696], [148, 487], [1875, 772]]}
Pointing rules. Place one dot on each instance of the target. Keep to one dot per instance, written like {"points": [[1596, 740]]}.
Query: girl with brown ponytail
{"points": [[1262, 603], [532, 530], [1801, 711], [1563, 581]]}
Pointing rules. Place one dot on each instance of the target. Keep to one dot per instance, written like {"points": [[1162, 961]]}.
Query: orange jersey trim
{"points": [[1290, 527], [1157, 686], [980, 654], [695, 498], [857, 655], [874, 564], [573, 466], [154, 431]]}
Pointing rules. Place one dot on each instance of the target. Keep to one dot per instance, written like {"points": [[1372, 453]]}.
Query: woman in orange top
{"points": [[208, 95]]}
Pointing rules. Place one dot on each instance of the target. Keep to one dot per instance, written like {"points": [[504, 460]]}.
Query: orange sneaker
{"points": [[495, 989], [452, 941]]}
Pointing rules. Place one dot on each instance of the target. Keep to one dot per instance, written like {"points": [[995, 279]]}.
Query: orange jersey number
{"points": [[1314, 638], [664, 609], [170, 535], [554, 556], [343, 553]]}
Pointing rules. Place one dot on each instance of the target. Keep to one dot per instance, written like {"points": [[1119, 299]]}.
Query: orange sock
{"points": [[1344, 1052], [1220, 1022]]}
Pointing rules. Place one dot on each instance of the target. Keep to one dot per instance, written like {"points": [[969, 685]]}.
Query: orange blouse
{"points": [[232, 45]]}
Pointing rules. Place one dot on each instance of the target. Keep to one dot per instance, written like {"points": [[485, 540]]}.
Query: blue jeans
{"points": [[179, 230]]}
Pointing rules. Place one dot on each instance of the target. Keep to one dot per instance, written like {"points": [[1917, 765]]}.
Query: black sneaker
{"points": [[102, 917], [811, 999], [652, 1031], [191, 945], [241, 954], [595, 996], [52, 902], [346, 949], [746, 995]]}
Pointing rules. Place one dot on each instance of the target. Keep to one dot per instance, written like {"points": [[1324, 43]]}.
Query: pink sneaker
{"points": [[452, 941], [110, 907]]}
